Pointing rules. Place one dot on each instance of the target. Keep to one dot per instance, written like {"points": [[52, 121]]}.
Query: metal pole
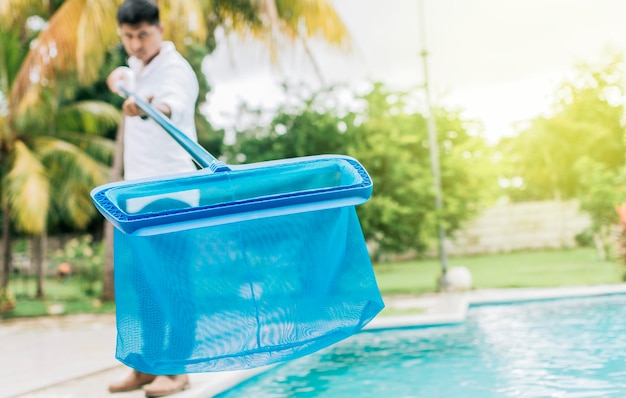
{"points": [[433, 145]]}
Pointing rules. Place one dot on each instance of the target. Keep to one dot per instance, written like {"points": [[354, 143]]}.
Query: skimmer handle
{"points": [[204, 158]]}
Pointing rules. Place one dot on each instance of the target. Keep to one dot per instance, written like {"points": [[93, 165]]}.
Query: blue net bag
{"points": [[242, 294], [238, 267]]}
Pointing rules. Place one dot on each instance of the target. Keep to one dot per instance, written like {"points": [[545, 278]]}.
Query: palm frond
{"points": [[12, 54], [310, 18], [184, 21], [275, 21], [92, 117], [72, 48], [73, 173], [96, 32], [240, 17], [35, 113], [99, 148], [5, 128], [27, 189], [53, 50], [13, 13], [70, 160]]}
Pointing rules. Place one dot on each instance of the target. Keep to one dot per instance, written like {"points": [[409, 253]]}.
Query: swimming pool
{"points": [[555, 348]]}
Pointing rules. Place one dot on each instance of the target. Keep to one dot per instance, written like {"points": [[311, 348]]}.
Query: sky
{"points": [[500, 61]]}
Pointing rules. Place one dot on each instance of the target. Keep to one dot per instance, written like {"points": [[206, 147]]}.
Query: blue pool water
{"points": [[558, 348]]}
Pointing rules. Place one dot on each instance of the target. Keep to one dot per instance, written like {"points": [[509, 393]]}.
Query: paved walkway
{"points": [[73, 356]]}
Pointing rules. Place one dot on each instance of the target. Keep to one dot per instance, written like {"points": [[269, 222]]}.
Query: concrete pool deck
{"points": [[73, 356]]}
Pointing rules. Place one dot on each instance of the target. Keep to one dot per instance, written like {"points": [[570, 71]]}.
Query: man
{"points": [[160, 74]]}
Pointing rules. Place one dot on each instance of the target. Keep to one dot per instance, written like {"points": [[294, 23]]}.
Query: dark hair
{"points": [[135, 12]]}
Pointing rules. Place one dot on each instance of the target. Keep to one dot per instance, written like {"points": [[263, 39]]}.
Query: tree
{"points": [[391, 141], [587, 121], [301, 128], [603, 197], [54, 165], [51, 156]]}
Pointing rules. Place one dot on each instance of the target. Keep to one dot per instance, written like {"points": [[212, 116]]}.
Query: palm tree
{"points": [[80, 33], [51, 170], [51, 155]]}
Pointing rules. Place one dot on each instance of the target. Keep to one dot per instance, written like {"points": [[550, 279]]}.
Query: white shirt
{"points": [[148, 149]]}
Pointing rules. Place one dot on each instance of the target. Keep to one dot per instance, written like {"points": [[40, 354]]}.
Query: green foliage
{"points": [[587, 121], [58, 154], [602, 189], [584, 239], [7, 301], [392, 143], [53, 150], [85, 260], [73, 170], [90, 117], [12, 53]]}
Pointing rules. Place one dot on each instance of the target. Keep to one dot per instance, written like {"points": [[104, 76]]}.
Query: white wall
{"points": [[519, 226]]}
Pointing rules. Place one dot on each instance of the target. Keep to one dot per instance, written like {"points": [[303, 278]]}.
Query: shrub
{"points": [[85, 262], [7, 301]]}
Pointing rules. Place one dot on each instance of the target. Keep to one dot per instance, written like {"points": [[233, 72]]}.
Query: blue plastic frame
{"points": [[353, 186]]}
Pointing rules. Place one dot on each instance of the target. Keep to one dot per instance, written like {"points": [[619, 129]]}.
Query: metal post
{"points": [[433, 145]]}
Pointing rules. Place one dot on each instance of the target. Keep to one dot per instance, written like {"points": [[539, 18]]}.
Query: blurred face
{"points": [[142, 41]]}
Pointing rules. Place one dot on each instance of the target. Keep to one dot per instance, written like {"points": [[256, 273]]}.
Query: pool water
{"points": [[556, 348]]}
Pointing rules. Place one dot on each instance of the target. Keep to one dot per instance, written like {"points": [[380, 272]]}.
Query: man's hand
{"points": [[121, 76], [124, 77], [130, 108]]}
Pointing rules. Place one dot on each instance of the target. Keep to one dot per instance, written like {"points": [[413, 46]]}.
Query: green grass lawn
{"points": [[579, 266], [69, 293], [521, 269]]}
